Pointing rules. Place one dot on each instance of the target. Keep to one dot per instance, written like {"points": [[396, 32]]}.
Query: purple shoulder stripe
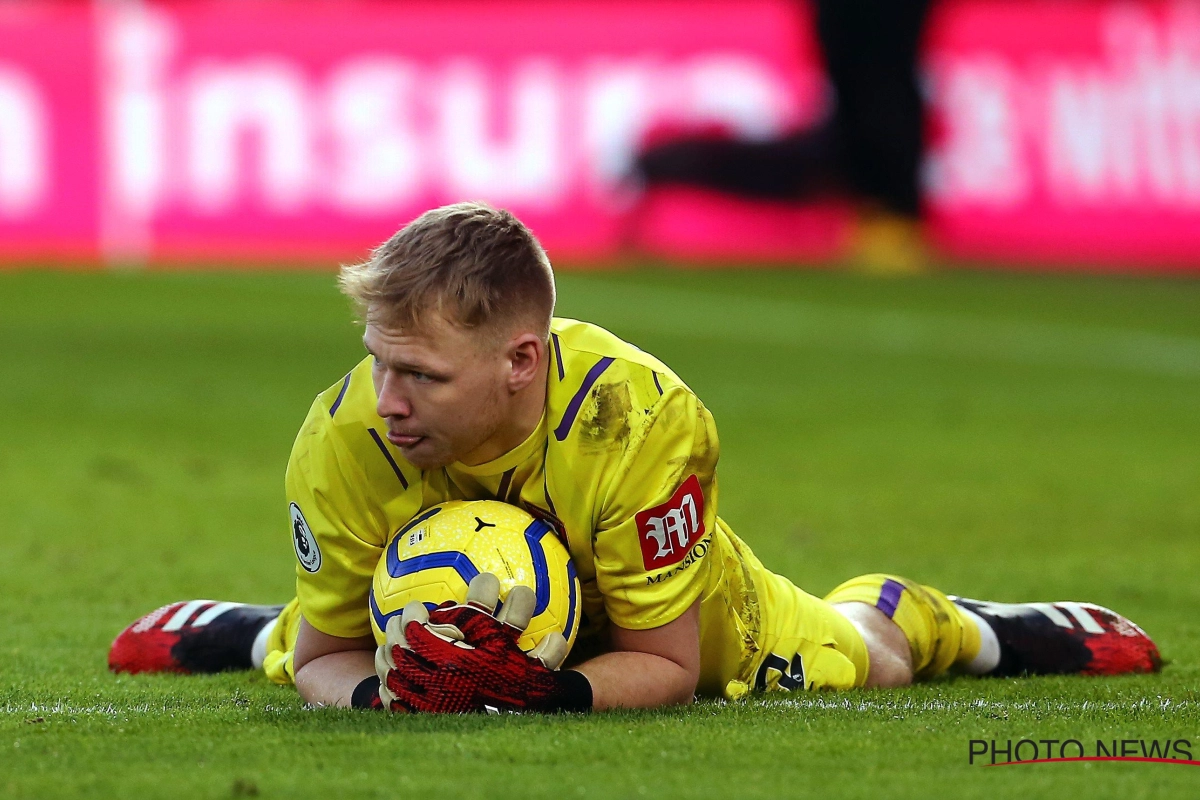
{"points": [[345, 385], [589, 380]]}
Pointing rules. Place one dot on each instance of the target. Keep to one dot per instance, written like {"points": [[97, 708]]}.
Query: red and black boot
{"points": [[191, 637], [1064, 638]]}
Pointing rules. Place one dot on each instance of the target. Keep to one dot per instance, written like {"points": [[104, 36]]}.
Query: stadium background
{"points": [[1059, 132], [178, 181]]}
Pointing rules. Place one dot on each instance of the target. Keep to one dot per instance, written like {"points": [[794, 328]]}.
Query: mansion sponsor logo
{"points": [[668, 530], [694, 555], [1003, 752]]}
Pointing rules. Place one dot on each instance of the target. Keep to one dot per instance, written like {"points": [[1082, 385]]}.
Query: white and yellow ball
{"points": [[434, 557]]}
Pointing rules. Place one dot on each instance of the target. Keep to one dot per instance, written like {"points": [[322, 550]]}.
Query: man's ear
{"points": [[525, 353]]}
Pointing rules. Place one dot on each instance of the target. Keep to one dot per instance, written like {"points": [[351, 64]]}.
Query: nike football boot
{"points": [[191, 637], [1065, 638]]}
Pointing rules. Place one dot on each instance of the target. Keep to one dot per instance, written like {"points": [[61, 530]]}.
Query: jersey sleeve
{"points": [[338, 542], [658, 516]]}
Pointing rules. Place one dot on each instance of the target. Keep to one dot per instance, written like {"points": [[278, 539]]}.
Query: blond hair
{"points": [[476, 265]]}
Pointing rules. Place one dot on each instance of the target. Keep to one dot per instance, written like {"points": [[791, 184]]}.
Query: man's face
{"points": [[441, 388]]}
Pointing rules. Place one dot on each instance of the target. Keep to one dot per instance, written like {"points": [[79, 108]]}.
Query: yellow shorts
{"points": [[800, 642]]}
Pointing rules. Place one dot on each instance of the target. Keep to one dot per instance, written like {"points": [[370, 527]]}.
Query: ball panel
{"points": [[573, 610], [434, 557]]}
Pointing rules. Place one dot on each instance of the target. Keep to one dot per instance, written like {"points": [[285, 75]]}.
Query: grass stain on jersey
{"points": [[606, 421]]}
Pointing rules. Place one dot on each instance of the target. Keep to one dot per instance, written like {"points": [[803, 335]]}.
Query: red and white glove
{"points": [[464, 658]]}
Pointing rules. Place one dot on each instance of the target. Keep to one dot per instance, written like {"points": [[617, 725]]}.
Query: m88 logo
{"points": [[665, 532]]}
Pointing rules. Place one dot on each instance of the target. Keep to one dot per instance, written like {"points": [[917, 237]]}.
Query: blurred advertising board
{"points": [[207, 132], [1066, 131], [306, 130], [50, 146]]}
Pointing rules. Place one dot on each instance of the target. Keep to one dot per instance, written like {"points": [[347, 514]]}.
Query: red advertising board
{"points": [[306, 130], [49, 134], [1066, 131], [311, 130]]}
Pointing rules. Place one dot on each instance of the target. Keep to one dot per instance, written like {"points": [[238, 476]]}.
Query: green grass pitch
{"points": [[1012, 437]]}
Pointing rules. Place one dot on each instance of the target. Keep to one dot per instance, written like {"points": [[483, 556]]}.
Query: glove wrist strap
{"points": [[573, 693], [366, 694]]}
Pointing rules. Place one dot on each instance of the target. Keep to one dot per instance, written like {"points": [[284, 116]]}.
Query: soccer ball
{"points": [[434, 557]]}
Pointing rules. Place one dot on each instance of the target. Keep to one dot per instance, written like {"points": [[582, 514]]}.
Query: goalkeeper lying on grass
{"points": [[471, 390]]}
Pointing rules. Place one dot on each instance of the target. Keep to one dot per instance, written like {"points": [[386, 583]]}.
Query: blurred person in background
{"points": [[869, 148]]}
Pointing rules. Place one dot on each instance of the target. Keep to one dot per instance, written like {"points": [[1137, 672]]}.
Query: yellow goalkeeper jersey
{"points": [[623, 464]]}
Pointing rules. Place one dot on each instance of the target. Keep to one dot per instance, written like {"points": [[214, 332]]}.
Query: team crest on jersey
{"points": [[668, 531], [305, 543]]}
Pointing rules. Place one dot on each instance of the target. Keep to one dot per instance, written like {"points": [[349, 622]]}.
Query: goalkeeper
{"points": [[472, 390]]}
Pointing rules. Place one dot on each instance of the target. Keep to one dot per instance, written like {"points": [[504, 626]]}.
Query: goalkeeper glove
{"points": [[464, 658]]}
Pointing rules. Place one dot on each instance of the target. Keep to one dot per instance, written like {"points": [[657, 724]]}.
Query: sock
{"points": [[279, 642], [985, 657], [939, 633], [258, 652]]}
